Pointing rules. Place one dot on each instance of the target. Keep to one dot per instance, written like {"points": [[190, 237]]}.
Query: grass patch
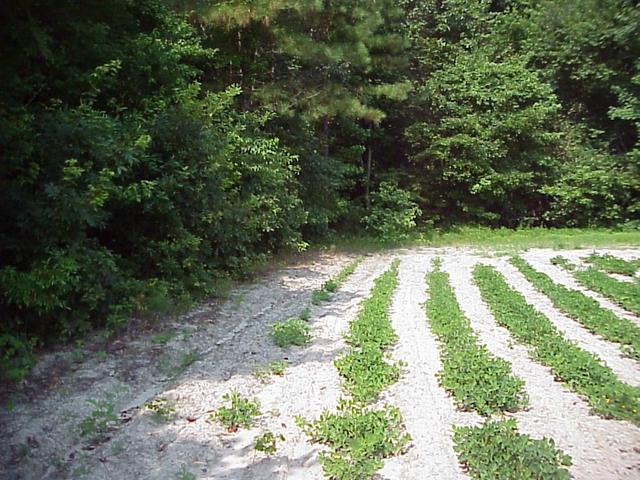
{"points": [[477, 380], [333, 284], [611, 264], [241, 413], [495, 238], [366, 368], [496, 450], [625, 294], [585, 310], [359, 438], [291, 332], [581, 371]]}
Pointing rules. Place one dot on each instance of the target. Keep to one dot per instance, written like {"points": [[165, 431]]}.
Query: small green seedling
{"points": [[241, 413], [277, 367], [161, 409], [163, 338], [266, 442], [184, 474], [305, 314], [97, 424], [292, 332], [319, 296]]}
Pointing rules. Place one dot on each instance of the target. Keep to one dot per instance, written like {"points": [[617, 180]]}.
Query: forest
{"points": [[153, 147]]}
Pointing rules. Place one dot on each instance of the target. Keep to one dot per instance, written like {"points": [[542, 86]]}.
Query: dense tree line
{"points": [[148, 146]]}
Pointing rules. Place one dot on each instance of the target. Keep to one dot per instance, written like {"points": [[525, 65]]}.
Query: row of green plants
{"points": [[358, 435], [611, 264], [584, 309], [485, 384], [583, 372], [296, 330], [625, 294], [331, 286], [477, 380]]}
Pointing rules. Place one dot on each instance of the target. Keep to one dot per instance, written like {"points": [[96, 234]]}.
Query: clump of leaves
{"points": [[305, 314], [582, 371], [266, 442], [319, 296], [184, 474], [241, 413], [161, 409], [367, 372], [99, 421], [359, 438], [291, 332], [277, 367], [476, 379], [497, 450]]}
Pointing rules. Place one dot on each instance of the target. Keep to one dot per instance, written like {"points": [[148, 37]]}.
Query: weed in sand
{"points": [[163, 338], [266, 442], [291, 332], [97, 424], [241, 413], [161, 409], [277, 367], [184, 474]]}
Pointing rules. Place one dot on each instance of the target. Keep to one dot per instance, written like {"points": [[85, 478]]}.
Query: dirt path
{"points": [[215, 349]]}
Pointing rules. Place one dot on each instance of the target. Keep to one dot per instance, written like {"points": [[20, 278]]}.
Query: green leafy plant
{"points": [[582, 371], [359, 438], [161, 409], [241, 413], [476, 379], [266, 442], [291, 332], [99, 421], [496, 450], [183, 473], [163, 338], [625, 294], [277, 367], [585, 309]]}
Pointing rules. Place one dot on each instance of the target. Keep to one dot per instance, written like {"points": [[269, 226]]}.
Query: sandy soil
{"points": [[216, 348]]}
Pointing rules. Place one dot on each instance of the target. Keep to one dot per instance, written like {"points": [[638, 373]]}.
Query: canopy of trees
{"points": [[148, 146]]}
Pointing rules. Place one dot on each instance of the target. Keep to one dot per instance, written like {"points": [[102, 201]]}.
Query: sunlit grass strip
{"points": [[367, 370], [585, 310], [496, 450], [476, 379], [625, 294], [360, 437], [611, 264], [581, 371], [333, 284]]}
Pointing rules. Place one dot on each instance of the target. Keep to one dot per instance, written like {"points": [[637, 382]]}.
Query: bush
{"points": [[393, 214]]}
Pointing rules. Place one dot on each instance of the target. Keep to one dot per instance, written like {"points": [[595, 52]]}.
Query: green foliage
{"points": [[477, 380], [333, 284], [291, 332], [625, 294], [393, 214], [241, 413], [359, 438], [496, 450], [277, 367], [161, 409], [366, 368], [612, 264], [583, 372], [97, 424], [16, 357], [585, 309], [266, 442]]}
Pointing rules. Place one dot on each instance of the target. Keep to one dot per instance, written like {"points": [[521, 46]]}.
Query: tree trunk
{"points": [[367, 185]]}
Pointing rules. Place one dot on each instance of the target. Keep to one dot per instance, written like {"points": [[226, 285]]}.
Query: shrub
{"points": [[393, 214]]}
